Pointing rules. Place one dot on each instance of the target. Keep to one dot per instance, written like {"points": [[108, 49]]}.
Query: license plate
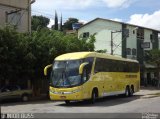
{"points": [[63, 97]]}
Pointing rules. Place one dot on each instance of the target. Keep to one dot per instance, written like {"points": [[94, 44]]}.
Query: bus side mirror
{"points": [[81, 67], [46, 69]]}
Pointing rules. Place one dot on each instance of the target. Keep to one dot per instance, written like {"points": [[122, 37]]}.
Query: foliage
{"points": [[13, 50], [24, 56], [39, 22], [68, 24], [102, 51], [153, 57]]}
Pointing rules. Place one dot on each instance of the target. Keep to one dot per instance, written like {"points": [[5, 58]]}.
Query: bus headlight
{"points": [[75, 91], [54, 92], [69, 92]]}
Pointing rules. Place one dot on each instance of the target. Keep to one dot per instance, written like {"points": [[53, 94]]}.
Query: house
{"points": [[123, 39], [16, 13]]}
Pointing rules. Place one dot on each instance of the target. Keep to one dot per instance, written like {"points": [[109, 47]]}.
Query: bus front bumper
{"points": [[61, 96]]}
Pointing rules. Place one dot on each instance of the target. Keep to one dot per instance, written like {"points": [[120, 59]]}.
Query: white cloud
{"points": [[78, 4], [83, 21], [147, 20], [118, 3], [62, 4], [50, 23], [117, 19], [72, 4]]}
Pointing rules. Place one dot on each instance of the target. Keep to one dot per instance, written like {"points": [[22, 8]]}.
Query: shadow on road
{"points": [[107, 101], [18, 102]]}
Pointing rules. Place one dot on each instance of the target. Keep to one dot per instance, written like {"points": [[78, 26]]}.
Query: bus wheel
{"points": [[67, 102], [93, 98], [127, 91], [132, 90]]}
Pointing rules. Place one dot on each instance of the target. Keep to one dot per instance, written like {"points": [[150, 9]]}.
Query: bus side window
{"points": [[90, 61], [98, 66]]}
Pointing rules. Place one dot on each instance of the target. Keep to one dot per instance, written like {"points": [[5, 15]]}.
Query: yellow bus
{"points": [[90, 75]]}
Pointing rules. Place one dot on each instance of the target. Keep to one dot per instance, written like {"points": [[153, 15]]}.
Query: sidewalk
{"points": [[149, 88], [149, 92]]}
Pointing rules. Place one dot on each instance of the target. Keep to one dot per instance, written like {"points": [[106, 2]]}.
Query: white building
{"points": [[129, 41]]}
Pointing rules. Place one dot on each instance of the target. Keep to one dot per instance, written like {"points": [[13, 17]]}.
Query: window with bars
{"points": [[86, 35], [140, 34], [134, 51], [128, 51]]}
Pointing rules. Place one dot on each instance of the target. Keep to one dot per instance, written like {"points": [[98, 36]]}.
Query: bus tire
{"points": [[127, 92], [67, 102], [94, 95], [131, 90]]}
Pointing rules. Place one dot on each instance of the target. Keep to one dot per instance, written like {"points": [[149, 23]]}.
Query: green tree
{"points": [[13, 52], [153, 57], [24, 56], [68, 24], [101, 51], [56, 21], [39, 22]]}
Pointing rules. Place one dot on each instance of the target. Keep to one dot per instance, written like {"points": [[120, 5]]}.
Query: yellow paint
{"points": [[46, 68], [81, 67]]}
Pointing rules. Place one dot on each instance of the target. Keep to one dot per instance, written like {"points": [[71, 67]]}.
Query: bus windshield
{"points": [[66, 73]]}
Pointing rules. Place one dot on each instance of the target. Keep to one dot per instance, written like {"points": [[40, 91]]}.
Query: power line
{"points": [[48, 15]]}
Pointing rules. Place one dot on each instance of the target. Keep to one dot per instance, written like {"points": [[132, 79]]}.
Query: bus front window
{"points": [[66, 73]]}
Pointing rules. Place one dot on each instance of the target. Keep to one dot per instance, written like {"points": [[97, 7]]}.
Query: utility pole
{"points": [[56, 21], [112, 40]]}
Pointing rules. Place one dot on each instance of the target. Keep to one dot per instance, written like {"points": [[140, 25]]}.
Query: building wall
{"points": [[103, 30], [131, 41], [134, 42], [147, 39], [22, 18]]}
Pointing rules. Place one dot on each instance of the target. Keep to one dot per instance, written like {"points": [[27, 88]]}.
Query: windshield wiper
{"points": [[61, 78], [66, 77]]}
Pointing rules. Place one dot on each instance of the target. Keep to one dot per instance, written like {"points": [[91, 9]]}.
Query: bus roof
{"points": [[75, 55], [81, 55]]}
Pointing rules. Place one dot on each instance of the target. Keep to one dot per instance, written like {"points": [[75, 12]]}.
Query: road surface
{"points": [[145, 101]]}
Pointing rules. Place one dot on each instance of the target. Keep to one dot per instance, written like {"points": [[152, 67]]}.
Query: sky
{"points": [[139, 12]]}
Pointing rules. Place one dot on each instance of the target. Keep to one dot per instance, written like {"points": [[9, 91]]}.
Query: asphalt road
{"points": [[142, 102]]}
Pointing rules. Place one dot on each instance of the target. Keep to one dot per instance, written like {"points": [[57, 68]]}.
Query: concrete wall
{"points": [[22, 18], [103, 29], [131, 41], [147, 34]]}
